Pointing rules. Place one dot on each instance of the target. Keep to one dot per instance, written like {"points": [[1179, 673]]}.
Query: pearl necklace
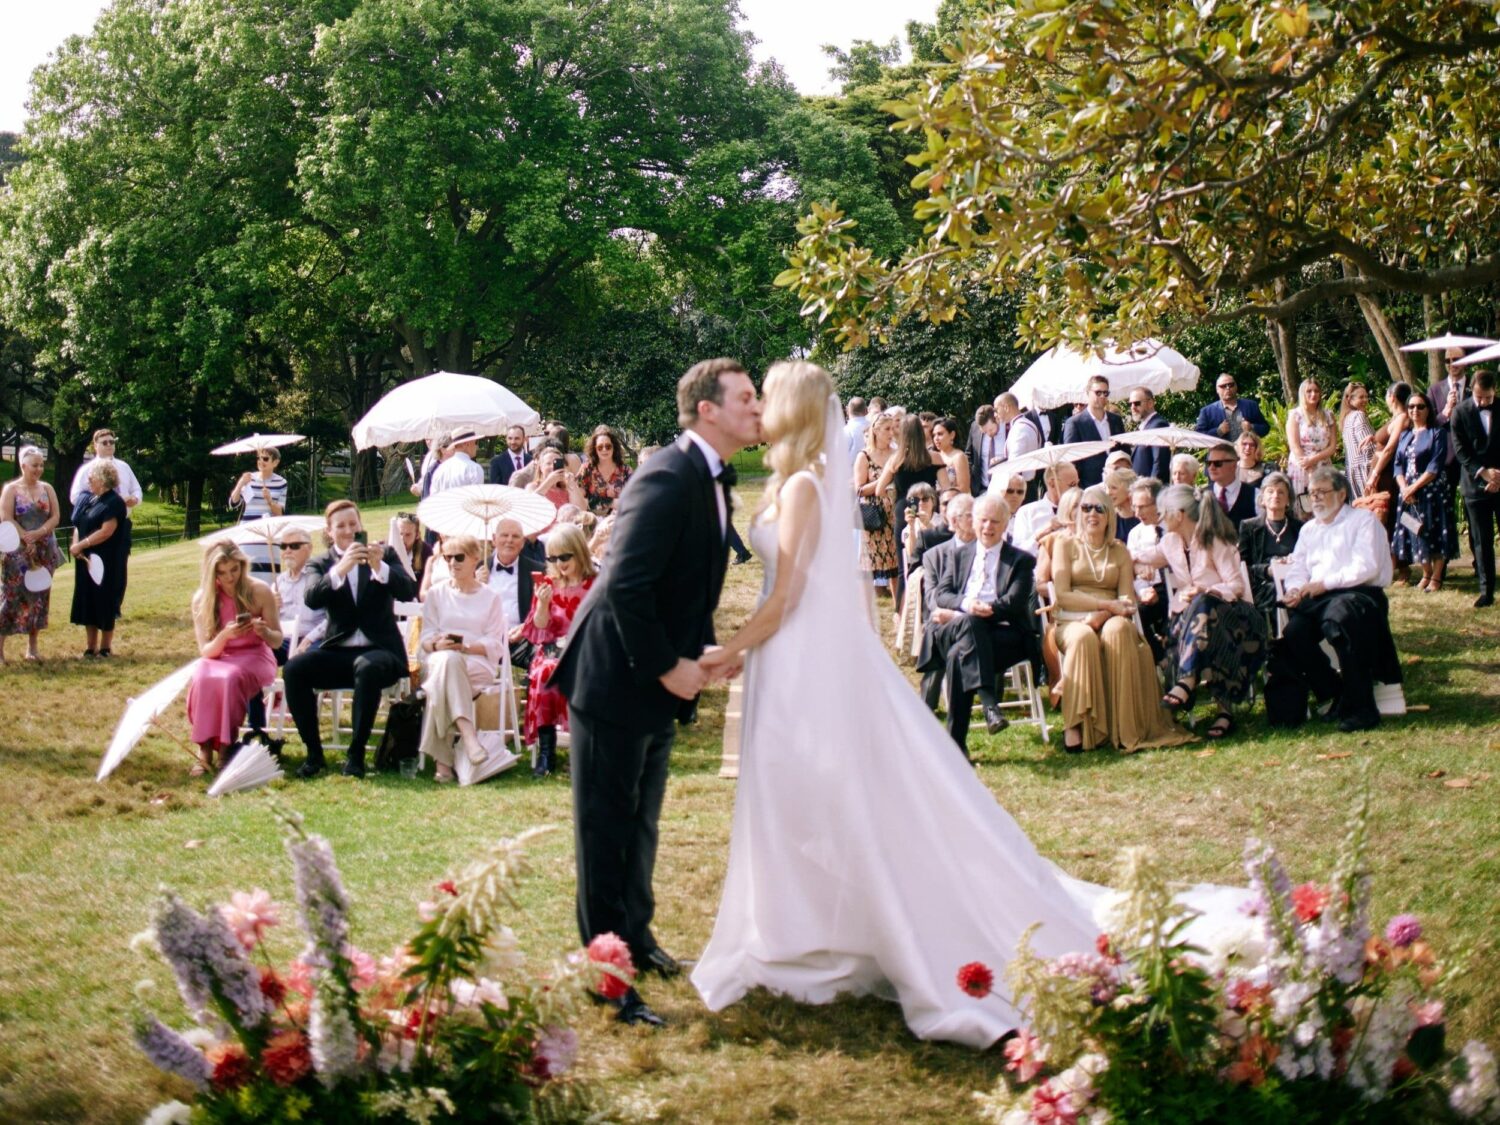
{"points": [[1090, 554], [1285, 523]]}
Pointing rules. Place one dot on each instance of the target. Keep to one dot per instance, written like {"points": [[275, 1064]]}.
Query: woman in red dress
{"points": [[556, 598]]}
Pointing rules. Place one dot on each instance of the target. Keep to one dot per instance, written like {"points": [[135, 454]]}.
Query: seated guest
{"points": [[599, 541], [554, 480], [308, 625], [1109, 687], [1117, 459], [984, 623], [1062, 528], [1235, 500], [1335, 582], [512, 567], [435, 573], [1214, 626], [558, 594], [236, 624], [417, 549], [357, 585], [921, 517], [1150, 585], [1035, 518], [1270, 535], [1117, 483], [604, 469], [463, 635], [1015, 498], [1184, 469], [1252, 468], [960, 530]]}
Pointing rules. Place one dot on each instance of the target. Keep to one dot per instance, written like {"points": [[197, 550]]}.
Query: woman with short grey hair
{"points": [[99, 532]]}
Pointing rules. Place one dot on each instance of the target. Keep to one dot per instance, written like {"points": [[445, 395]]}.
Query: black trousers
{"points": [[976, 650], [1356, 623], [1154, 621], [619, 780], [1484, 513], [369, 671]]}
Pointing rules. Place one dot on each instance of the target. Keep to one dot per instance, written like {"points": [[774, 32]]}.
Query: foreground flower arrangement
{"points": [[452, 1026], [1302, 1013]]}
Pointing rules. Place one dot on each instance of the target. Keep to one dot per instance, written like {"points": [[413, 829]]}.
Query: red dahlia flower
{"points": [[976, 979]]}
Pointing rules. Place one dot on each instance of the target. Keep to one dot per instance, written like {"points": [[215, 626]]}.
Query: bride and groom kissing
{"points": [[865, 856]]}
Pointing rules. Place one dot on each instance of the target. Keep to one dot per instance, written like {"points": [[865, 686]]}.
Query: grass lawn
{"points": [[83, 861]]}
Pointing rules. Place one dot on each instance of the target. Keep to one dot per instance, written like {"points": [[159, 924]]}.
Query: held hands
{"points": [[718, 664], [685, 679]]}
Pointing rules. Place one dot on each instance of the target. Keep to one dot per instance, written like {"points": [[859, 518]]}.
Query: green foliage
{"points": [[863, 63]]}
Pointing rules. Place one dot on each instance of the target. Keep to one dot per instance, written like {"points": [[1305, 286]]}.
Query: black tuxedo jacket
{"points": [[501, 466], [655, 602], [1015, 591], [1476, 449], [1080, 427], [531, 560], [1153, 460], [373, 614]]}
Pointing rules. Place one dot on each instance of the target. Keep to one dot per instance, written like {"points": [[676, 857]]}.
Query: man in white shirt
{"points": [[514, 562], [1036, 517], [1142, 539], [1021, 436], [1334, 583], [129, 488], [855, 427], [460, 468]]}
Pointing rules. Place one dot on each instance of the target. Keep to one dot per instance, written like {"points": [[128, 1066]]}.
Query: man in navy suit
{"points": [[1149, 460], [1231, 415], [515, 458], [1097, 423], [1222, 465]]}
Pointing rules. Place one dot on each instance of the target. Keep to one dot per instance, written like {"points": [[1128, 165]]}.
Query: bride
{"points": [[865, 855]]}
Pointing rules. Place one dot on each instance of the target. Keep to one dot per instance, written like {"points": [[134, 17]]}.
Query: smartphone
{"points": [[456, 638], [242, 619], [540, 579], [361, 537]]}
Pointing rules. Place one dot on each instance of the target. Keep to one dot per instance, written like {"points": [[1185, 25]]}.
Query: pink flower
{"points": [[1049, 1105], [1024, 1055], [611, 950], [1429, 1013], [299, 978], [249, 916], [1309, 901], [554, 1052], [1404, 929], [361, 965], [976, 979]]}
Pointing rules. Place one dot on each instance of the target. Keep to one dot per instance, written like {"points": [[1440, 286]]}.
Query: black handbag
{"points": [[871, 514], [403, 733]]}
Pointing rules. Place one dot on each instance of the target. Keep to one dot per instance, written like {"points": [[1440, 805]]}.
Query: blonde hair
{"points": [[206, 600], [465, 543], [102, 469], [1067, 505], [569, 538], [1095, 494], [796, 406]]}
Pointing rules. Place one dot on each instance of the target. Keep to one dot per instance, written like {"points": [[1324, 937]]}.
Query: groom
{"points": [[630, 662]]}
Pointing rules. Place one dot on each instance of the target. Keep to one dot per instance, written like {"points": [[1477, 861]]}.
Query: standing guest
{"points": [[1231, 415], [1148, 460], [604, 469], [1252, 468], [1184, 469], [1022, 436], [1096, 422], [557, 433], [1268, 536], [417, 549], [1214, 625], [1109, 688], [913, 462], [986, 448], [929, 420], [1235, 500], [1150, 581], [129, 491], [877, 549], [555, 601], [512, 569], [955, 471], [1117, 483], [1358, 437], [32, 505], [515, 457], [236, 624], [1311, 437], [357, 585], [459, 468], [877, 405], [463, 635], [437, 449], [262, 493], [99, 529], [1426, 525], [1335, 583], [1445, 396], [1479, 461], [553, 479], [858, 422], [1036, 518], [1381, 477]]}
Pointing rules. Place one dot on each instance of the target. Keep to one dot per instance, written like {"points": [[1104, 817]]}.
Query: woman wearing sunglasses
{"points": [[1426, 526], [263, 493], [557, 596], [463, 635]]}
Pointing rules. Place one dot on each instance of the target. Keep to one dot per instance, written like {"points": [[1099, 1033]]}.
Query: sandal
{"points": [[1176, 702], [200, 769], [1220, 727], [1073, 747]]}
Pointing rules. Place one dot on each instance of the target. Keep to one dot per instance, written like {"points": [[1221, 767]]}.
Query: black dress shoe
{"points": [[309, 770], [662, 963], [354, 769], [1483, 601], [1360, 722], [634, 1010], [994, 722]]}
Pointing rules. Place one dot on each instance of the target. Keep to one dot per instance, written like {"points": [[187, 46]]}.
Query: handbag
{"points": [[871, 514], [403, 733]]}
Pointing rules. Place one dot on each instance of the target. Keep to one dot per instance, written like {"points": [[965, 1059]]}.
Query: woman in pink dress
{"points": [[556, 598], [236, 622]]}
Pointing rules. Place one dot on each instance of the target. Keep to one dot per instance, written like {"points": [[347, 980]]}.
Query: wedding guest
{"points": [[1023, 435], [458, 469], [921, 517], [299, 624], [1479, 461], [960, 531], [261, 493], [557, 434], [1235, 499], [357, 585], [646, 451], [1150, 582], [911, 463], [1252, 468], [1110, 691], [1215, 628], [1046, 550], [1231, 415], [1268, 536], [604, 469], [463, 635], [1096, 422], [435, 573], [1117, 483], [129, 491], [554, 480], [1426, 526], [558, 594], [1184, 469], [1445, 396], [986, 448], [599, 542], [1117, 459], [1335, 583], [437, 449], [1015, 497], [416, 547], [1358, 437], [1036, 518], [929, 420], [1381, 478], [955, 462], [514, 457], [31, 504], [513, 566], [99, 529], [236, 625], [1148, 460], [857, 414], [1311, 438]]}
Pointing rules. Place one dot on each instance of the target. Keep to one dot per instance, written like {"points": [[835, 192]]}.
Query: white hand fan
{"points": [[96, 569], [37, 580], [10, 537]]}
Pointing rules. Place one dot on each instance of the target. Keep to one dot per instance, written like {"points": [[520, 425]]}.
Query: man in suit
{"points": [[357, 586], [960, 517], [983, 619], [1150, 583], [516, 456], [1444, 398], [1479, 460], [631, 661], [986, 447], [1148, 460], [1231, 415], [1222, 465], [511, 566], [1023, 435], [1097, 422]]}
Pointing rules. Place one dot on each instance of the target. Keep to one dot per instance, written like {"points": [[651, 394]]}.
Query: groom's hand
{"points": [[719, 665], [685, 680]]}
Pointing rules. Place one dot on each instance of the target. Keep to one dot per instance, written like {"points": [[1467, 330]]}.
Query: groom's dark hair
{"points": [[701, 384]]}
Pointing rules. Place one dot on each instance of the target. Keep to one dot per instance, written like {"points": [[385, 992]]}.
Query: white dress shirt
{"points": [[507, 585], [129, 488], [1350, 550], [1142, 540], [1102, 425], [1030, 522], [1022, 438], [311, 623], [1227, 495], [379, 572], [980, 586], [715, 467], [477, 617], [854, 435], [460, 469]]}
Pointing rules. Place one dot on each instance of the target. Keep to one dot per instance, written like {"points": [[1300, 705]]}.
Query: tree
{"points": [[863, 63], [1144, 165]]}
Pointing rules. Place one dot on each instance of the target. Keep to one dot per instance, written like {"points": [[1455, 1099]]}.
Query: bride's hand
{"points": [[719, 664]]}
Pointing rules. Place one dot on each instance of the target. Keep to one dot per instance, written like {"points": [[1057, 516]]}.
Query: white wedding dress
{"points": [[866, 856]]}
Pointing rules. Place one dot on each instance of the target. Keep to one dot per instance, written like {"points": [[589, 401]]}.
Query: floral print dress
{"points": [[545, 705], [23, 610]]}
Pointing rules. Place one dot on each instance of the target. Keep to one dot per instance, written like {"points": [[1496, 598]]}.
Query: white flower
{"points": [[503, 958], [169, 1113], [1288, 1000], [1478, 1095], [200, 1037], [472, 993], [1240, 941]]}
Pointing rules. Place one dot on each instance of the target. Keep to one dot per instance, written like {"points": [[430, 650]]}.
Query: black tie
{"points": [[511, 569], [726, 478]]}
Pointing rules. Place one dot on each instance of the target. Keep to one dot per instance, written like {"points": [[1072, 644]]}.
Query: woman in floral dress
{"points": [[604, 470], [1426, 528], [31, 504], [556, 598], [1310, 438], [877, 549]]}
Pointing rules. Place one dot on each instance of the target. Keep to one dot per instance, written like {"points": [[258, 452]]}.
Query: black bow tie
{"points": [[511, 569], [727, 476]]}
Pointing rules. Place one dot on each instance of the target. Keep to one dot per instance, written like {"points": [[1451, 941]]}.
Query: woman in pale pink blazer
{"points": [[1216, 632]]}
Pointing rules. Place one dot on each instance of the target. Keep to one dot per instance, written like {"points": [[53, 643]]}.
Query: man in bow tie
{"points": [[515, 560], [1478, 449]]}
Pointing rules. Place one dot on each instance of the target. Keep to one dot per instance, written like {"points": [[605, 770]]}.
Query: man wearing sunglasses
{"points": [[1223, 468], [1231, 415], [1148, 460], [1096, 422]]}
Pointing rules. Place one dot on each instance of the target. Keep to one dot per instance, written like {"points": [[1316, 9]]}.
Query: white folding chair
{"points": [[911, 615]]}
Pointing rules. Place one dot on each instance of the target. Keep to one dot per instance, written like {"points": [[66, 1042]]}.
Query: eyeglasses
{"points": [[1320, 493], [105, 441], [458, 557], [1137, 402], [293, 546], [566, 556], [1099, 391], [1227, 386], [1416, 406], [1015, 492], [1220, 463], [1095, 509]]}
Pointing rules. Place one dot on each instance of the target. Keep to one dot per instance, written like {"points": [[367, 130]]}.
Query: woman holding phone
{"points": [[555, 599], [554, 480], [236, 624], [463, 634]]}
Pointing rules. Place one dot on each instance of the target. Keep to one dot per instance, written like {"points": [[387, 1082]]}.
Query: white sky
{"points": [[789, 30]]}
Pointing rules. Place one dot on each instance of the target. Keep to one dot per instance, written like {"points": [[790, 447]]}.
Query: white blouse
{"points": [[478, 617]]}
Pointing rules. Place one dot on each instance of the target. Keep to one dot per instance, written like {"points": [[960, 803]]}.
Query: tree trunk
{"points": [[192, 525], [1429, 329], [1385, 335]]}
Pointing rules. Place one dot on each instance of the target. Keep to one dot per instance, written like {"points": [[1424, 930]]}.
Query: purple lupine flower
{"points": [[320, 895], [208, 962], [1403, 930], [170, 1052], [331, 1034]]}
